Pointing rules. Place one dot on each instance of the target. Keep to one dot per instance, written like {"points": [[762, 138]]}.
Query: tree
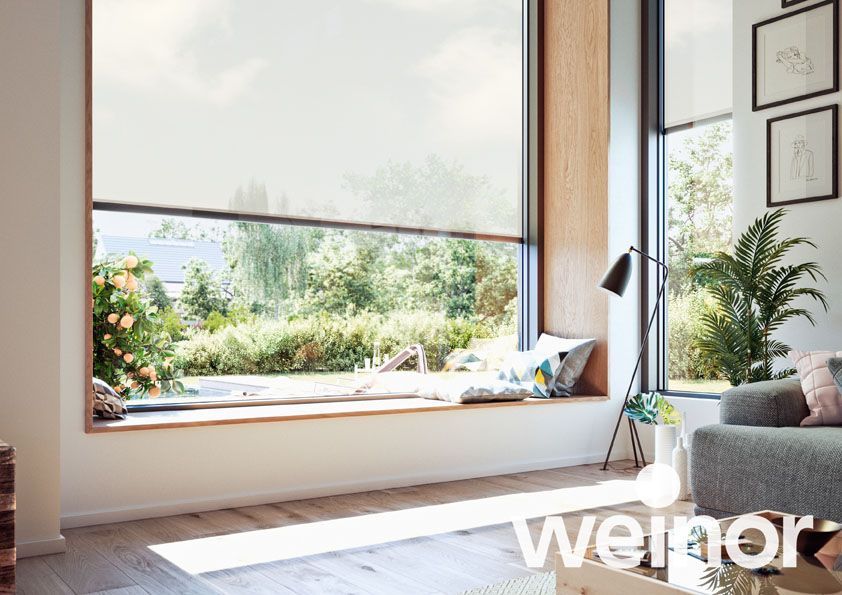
{"points": [[171, 228], [268, 262], [754, 294], [131, 350], [157, 292], [202, 292], [342, 275], [700, 196], [421, 194]]}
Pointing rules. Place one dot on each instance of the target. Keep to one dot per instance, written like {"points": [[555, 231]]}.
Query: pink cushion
{"points": [[823, 398]]}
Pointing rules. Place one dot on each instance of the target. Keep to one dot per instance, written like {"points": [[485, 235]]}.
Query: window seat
{"points": [[159, 420]]}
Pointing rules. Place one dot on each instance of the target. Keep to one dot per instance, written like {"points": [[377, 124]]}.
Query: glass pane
{"points": [[700, 197], [388, 112], [247, 310], [698, 58]]}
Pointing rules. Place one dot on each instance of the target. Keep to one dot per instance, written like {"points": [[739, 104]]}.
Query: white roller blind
{"points": [[698, 60], [396, 113]]}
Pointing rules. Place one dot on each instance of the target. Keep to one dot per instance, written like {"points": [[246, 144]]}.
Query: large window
{"points": [[288, 195], [697, 193]]}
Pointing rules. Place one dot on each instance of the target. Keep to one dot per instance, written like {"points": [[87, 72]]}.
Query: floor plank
{"points": [[122, 558], [34, 577]]}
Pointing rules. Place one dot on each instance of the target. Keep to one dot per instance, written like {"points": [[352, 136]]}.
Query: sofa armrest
{"points": [[774, 403]]}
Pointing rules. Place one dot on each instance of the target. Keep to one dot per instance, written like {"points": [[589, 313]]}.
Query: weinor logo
{"points": [[657, 486]]}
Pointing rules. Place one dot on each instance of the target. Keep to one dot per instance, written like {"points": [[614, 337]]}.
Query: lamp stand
{"points": [[635, 437]]}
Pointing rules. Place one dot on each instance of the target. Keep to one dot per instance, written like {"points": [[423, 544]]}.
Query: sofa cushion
{"points": [[740, 469], [574, 355], [823, 397], [773, 403]]}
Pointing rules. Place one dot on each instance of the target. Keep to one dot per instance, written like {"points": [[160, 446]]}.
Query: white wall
{"points": [[819, 220], [133, 474], [29, 248]]}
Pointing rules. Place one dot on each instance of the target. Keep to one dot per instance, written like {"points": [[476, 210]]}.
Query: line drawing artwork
{"points": [[794, 61], [802, 166]]}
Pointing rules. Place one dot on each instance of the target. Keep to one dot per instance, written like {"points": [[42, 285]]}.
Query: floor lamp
{"points": [[616, 280]]}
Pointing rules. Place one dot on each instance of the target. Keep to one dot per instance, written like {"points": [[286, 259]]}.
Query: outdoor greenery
{"points": [[322, 342], [132, 351], [754, 295], [296, 298], [700, 197]]}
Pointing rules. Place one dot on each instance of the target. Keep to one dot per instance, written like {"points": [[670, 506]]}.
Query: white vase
{"points": [[664, 443], [679, 463]]}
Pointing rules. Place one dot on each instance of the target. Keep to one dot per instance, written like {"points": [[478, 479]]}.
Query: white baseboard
{"points": [[133, 513], [42, 547]]}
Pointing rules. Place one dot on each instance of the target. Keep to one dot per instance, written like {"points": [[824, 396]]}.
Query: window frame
{"points": [[530, 289], [653, 195]]}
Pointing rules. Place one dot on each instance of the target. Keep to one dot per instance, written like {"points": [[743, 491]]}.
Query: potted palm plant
{"points": [[754, 295], [649, 408]]}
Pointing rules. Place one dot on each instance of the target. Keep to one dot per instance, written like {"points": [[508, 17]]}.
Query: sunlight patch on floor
{"points": [[236, 550]]}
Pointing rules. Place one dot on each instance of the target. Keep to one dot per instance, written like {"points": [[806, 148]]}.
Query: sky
{"points": [[196, 98]]}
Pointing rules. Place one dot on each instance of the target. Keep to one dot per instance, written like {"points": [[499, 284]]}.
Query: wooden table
{"points": [[7, 518], [690, 575]]}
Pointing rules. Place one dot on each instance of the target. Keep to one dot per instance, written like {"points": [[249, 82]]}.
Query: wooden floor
{"points": [[117, 558]]}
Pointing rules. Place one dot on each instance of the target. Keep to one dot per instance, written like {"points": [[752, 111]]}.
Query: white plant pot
{"points": [[665, 436]]}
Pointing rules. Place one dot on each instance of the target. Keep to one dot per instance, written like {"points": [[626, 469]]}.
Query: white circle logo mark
{"points": [[657, 485]]}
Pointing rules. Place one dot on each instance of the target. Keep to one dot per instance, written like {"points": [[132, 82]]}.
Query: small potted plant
{"points": [[649, 408]]}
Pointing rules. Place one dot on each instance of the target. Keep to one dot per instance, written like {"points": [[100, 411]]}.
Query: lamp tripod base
{"points": [[635, 441]]}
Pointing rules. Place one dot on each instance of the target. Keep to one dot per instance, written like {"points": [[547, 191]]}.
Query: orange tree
{"points": [[132, 352]]}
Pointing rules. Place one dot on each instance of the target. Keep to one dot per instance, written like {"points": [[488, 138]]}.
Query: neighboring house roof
{"points": [[167, 256]]}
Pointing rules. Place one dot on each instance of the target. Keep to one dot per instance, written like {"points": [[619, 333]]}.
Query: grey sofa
{"points": [[758, 458]]}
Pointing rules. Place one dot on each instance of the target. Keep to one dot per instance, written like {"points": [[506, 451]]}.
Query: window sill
{"points": [[159, 420]]}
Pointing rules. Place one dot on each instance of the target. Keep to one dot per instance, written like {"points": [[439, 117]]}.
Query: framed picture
{"points": [[801, 157], [788, 3], [795, 56]]}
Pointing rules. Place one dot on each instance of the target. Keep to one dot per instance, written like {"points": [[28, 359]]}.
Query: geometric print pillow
{"points": [[532, 370]]}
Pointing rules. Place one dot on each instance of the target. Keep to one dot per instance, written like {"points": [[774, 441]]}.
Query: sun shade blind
{"points": [[391, 113], [698, 57]]}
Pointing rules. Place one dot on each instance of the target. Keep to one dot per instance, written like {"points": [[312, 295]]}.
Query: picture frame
{"points": [[795, 56], [788, 3], [802, 157]]}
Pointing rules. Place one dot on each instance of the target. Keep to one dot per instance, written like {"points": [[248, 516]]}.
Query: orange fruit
{"points": [[113, 318], [128, 358], [118, 280], [131, 285], [144, 371], [99, 280], [154, 392], [106, 336], [131, 261], [135, 385], [127, 321], [153, 377], [118, 352]]}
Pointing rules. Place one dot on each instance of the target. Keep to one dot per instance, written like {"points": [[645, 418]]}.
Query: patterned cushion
{"points": [[574, 355], [469, 388], [533, 370], [834, 364], [107, 403], [823, 397]]}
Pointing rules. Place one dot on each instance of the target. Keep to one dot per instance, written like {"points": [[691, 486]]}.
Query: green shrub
{"points": [[686, 361], [322, 342], [214, 322], [172, 324]]}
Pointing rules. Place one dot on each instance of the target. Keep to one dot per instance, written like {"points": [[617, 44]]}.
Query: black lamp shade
{"points": [[616, 279]]}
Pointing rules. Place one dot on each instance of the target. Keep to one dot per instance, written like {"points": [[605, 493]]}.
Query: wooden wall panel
{"points": [[575, 185]]}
